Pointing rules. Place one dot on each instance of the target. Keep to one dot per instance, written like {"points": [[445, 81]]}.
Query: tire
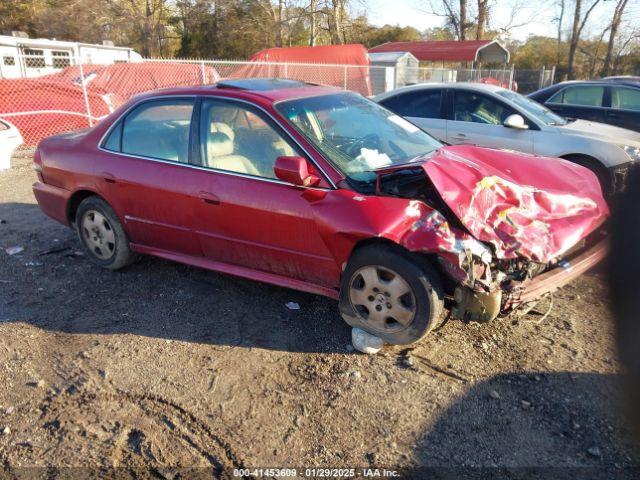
{"points": [[102, 235], [371, 295]]}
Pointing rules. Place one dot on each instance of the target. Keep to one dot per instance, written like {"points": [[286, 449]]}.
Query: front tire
{"points": [[391, 293], [102, 235]]}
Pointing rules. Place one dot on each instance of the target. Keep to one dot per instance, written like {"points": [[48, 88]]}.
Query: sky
{"points": [[538, 20]]}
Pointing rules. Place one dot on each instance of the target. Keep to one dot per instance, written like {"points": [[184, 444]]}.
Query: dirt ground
{"points": [[164, 367]]}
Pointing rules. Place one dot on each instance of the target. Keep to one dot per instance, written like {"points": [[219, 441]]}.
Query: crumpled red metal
{"points": [[523, 205]]}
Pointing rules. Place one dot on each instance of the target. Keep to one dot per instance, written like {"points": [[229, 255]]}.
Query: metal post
{"points": [[511, 75], [541, 77], [204, 73], [345, 77], [83, 82]]}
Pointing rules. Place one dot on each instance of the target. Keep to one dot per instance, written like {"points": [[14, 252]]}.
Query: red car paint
{"points": [[532, 207], [302, 237]]}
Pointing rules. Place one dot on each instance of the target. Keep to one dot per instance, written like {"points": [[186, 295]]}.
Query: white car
{"points": [[10, 140], [492, 116]]}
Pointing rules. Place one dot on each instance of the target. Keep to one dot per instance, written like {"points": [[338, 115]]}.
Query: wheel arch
{"points": [[76, 199], [386, 242], [593, 164]]}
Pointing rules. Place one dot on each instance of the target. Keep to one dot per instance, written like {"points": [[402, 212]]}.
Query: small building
{"points": [[23, 57], [403, 70], [450, 51]]}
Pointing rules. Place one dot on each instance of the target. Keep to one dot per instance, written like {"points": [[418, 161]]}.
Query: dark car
{"points": [[612, 101], [323, 191]]}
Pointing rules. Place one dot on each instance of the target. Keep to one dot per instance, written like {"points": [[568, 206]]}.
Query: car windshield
{"points": [[356, 134], [533, 108]]}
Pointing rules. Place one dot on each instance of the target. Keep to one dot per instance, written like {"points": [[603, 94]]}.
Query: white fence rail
{"points": [[74, 95]]}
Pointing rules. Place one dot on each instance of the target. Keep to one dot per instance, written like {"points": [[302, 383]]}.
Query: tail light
{"points": [[37, 164]]}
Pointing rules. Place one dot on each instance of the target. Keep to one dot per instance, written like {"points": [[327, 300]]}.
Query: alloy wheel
{"points": [[382, 298], [98, 234]]}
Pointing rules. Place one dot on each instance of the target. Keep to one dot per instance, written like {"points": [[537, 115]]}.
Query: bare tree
{"points": [[336, 16], [483, 17], [579, 21], [455, 15], [313, 22], [613, 32], [560, 19]]}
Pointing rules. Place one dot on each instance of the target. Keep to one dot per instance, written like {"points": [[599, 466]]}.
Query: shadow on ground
{"points": [[62, 290], [535, 425]]}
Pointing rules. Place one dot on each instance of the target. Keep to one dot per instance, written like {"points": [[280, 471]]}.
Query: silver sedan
{"points": [[491, 116]]}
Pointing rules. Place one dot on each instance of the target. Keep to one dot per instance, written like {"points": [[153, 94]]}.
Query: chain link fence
{"points": [[74, 95]]}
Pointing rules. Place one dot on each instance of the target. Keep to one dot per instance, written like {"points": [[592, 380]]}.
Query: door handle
{"points": [[108, 177], [209, 198], [460, 136]]}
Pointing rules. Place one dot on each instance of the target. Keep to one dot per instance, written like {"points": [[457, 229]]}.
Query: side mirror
{"points": [[515, 121], [294, 170]]}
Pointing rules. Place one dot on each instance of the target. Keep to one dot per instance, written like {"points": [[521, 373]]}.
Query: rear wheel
{"points": [[102, 234], [391, 293]]}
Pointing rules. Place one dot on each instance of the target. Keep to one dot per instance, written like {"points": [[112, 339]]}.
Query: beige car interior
{"points": [[220, 148], [251, 148]]}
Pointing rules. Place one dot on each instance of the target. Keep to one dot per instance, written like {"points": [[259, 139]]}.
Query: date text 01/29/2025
{"points": [[315, 472]]}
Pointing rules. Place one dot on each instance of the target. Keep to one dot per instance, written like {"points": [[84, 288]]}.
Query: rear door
{"points": [[623, 109], [146, 177], [580, 101], [422, 107], [477, 119]]}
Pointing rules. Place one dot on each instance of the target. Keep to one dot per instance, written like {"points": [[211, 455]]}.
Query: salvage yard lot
{"points": [[167, 365]]}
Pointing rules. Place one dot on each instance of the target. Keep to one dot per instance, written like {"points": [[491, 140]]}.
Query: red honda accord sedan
{"points": [[324, 191]]}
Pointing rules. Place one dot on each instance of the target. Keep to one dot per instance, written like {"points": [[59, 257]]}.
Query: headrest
{"points": [[222, 128], [220, 140]]}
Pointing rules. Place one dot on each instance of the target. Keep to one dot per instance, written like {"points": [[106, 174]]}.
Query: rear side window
{"points": [[418, 103], [625, 98], [586, 95], [113, 140], [157, 129]]}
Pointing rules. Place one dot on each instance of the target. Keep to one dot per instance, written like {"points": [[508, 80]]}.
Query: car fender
{"points": [[411, 224], [556, 144]]}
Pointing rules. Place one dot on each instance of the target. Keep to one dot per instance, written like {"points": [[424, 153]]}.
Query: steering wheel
{"points": [[370, 141]]}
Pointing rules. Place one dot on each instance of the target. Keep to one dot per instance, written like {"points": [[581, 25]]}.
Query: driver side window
{"points": [[237, 138], [478, 108]]}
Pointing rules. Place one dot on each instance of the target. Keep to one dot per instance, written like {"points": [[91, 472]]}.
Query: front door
{"points": [[580, 101], [244, 214], [477, 119]]}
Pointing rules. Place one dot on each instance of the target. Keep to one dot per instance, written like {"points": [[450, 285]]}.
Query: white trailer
{"points": [[22, 57]]}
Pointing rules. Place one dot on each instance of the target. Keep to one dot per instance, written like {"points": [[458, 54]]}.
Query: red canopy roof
{"points": [[444, 50], [351, 54]]}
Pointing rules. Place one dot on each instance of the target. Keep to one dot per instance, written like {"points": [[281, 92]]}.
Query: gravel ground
{"points": [[164, 367]]}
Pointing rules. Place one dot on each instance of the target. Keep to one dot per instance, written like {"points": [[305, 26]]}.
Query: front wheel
{"points": [[391, 293], [102, 234]]}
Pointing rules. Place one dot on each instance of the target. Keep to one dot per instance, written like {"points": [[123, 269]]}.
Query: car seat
{"points": [[220, 151]]}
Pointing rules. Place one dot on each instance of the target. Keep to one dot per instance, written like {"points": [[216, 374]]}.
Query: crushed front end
{"points": [[506, 228]]}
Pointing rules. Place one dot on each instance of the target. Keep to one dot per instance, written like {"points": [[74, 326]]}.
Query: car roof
{"points": [[270, 89], [479, 87], [609, 81]]}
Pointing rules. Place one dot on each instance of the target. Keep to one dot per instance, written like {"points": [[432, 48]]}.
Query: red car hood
{"points": [[523, 205]]}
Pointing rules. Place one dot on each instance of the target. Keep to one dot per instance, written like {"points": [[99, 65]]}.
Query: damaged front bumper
{"points": [[484, 305], [534, 288]]}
